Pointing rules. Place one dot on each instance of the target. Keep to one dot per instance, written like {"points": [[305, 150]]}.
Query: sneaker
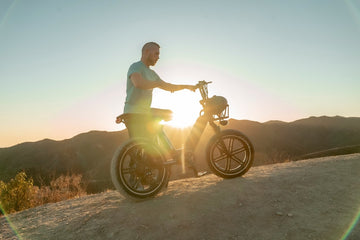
{"points": [[190, 161]]}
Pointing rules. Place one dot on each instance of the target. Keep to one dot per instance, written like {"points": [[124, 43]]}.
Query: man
{"points": [[141, 80]]}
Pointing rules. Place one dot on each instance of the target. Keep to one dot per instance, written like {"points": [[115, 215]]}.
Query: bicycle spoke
{"points": [[240, 150], [136, 184], [222, 147], [228, 164], [132, 153], [236, 159], [220, 158], [127, 170], [231, 144]]}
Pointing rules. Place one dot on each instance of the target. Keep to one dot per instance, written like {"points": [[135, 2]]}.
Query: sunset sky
{"points": [[63, 64]]}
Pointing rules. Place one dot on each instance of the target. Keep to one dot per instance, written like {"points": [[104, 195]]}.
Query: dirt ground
{"points": [[310, 199]]}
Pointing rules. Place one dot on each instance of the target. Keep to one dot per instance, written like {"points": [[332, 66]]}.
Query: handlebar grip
{"points": [[202, 83]]}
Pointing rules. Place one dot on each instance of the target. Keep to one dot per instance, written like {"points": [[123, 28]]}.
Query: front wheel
{"points": [[137, 169], [229, 154]]}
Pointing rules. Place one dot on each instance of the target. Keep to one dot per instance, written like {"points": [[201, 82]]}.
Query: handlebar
{"points": [[202, 86], [202, 83]]}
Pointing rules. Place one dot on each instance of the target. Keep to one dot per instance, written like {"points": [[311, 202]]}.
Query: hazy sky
{"points": [[63, 64]]}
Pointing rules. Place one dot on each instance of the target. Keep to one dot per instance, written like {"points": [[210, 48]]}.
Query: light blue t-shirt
{"points": [[139, 100]]}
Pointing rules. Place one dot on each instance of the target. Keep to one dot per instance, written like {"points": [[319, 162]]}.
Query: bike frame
{"points": [[193, 138], [197, 129]]}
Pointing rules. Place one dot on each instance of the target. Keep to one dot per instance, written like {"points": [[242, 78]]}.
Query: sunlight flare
{"points": [[352, 225], [184, 104], [11, 225], [182, 159], [7, 14]]}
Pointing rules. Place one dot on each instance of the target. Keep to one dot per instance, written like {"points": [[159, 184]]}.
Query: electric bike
{"points": [[141, 167]]}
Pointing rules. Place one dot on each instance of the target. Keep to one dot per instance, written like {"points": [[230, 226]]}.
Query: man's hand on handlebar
{"points": [[202, 83], [191, 87]]}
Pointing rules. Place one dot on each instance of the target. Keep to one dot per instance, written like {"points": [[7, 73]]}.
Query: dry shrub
{"points": [[17, 194], [278, 156], [20, 194], [60, 189]]}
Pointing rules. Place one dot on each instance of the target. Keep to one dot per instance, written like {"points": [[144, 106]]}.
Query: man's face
{"points": [[153, 56]]}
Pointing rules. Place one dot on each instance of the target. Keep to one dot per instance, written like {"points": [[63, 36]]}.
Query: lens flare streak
{"points": [[13, 228], [352, 226], [6, 15]]}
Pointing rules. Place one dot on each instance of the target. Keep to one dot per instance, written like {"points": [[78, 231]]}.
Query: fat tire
{"points": [[247, 151], [118, 178]]}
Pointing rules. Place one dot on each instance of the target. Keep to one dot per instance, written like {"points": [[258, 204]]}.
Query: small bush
{"points": [[17, 194], [60, 189], [20, 193]]}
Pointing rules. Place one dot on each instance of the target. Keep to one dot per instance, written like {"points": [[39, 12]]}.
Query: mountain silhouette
{"points": [[90, 153]]}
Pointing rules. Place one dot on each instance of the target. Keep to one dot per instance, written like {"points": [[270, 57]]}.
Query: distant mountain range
{"points": [[90, 153]]}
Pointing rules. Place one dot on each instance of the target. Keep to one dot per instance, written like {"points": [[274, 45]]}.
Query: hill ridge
{"points": [[90, 153], [324, 117]]}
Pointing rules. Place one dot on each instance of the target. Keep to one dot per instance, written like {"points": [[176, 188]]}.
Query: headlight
{"points": [[215, 105]]}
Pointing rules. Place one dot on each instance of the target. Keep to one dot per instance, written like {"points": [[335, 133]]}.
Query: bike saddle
{"points": [[155, 113], [163, 114]]}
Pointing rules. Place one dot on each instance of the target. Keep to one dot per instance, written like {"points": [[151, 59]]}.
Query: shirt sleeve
{"points": [[156, 76], [133, 69]]}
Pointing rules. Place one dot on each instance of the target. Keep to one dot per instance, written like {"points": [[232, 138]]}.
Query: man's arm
{"points": [[142, 83], [174, 87]]}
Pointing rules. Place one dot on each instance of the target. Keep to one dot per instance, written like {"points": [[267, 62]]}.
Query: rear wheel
{"points": [[137, 169], [230, 154]]}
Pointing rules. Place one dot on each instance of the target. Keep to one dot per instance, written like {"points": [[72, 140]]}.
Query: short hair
{"points": [[149, 45]]}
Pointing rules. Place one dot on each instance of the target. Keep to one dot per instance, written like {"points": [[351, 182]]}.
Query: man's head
{"points": [[150, 53]]}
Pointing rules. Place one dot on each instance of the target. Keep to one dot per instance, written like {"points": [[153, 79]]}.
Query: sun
{"points": [[184, 104], [182, 118]]}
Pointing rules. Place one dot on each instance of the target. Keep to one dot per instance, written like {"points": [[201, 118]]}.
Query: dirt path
{"points": [[310, 199]]}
